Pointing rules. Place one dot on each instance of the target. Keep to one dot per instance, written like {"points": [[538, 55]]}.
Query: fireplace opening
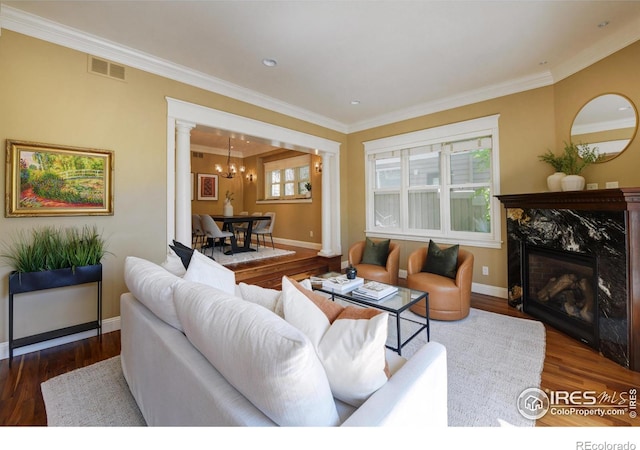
{"points": [[560, 288]]}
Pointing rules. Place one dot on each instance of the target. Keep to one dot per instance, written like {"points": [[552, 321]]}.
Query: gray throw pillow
{"points": [[442, 261], [375, 252]]}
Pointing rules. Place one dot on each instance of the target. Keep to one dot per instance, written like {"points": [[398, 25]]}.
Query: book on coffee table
{"points": [[341, 284], [374, 290]]}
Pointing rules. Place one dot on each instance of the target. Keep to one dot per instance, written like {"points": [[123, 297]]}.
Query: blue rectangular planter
{"points": [[20, 282]]}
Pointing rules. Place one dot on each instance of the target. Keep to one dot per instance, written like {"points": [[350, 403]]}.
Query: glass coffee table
{"points": [[394, 304]]}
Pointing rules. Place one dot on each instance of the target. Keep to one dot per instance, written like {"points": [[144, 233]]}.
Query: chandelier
{"points": [[231, 168]]}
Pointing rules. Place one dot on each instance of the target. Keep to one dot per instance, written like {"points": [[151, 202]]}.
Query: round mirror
{"points": [[608, 122]]}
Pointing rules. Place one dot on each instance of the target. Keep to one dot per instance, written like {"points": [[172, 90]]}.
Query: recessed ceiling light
{"points": [[355, 102], [603, 24], [269, 62]]}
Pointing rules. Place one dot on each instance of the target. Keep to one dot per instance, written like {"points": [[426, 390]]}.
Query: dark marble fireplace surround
{"points": [[604, 224]]}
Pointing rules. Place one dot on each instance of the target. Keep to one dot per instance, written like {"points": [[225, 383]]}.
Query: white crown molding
{"points": [[31, 25], [617, 41], [462, 99], [46, 30]]}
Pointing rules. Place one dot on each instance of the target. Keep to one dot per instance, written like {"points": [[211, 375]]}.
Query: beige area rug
{"points": [[93, 396], [262, 253], [491, 359]]}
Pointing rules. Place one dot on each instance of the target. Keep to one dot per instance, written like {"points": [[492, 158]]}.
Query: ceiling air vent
{"points": [[106, 68]]}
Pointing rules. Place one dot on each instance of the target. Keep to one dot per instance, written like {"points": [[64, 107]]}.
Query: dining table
{"points": [[228, 225]]}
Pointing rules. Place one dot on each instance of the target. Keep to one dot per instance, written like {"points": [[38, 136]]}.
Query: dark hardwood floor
{"points": [[20, 396], [569, 365]]}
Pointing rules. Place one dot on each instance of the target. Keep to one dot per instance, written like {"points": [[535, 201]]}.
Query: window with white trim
{"points": [[287, 178], [437, 183]]}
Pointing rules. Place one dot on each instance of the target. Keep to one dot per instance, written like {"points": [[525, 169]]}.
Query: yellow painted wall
{"points": [[530, 123], [206, 165], [617, 73], [526, 126], [47, 95], [295, 221]]}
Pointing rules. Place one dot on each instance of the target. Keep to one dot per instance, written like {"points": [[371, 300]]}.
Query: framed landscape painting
{"points": [[207, 186], [55, 180]]}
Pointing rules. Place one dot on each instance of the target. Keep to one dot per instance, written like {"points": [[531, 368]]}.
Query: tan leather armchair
{"points": [[449, 299], [387, 274]]}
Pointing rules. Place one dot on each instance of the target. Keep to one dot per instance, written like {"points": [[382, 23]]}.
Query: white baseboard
{"points": [[108, 325], [303, 244], [494, 291], [485, 289]]}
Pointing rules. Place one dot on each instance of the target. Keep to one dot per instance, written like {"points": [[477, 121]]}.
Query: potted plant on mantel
{"points": [[50, 257], [569, 165]]}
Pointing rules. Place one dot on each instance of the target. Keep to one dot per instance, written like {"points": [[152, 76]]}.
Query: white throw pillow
{"points": [[353, 354], [350, 341], [266, 359], [153, 287], [173, 264], [205, 270], [269, 298], [303, 313]]}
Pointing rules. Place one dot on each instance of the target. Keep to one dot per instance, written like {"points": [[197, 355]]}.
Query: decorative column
{"points": [[330, 206], [183, 181]]}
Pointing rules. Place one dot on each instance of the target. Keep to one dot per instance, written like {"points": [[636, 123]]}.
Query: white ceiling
{"points": [[399, 59]]}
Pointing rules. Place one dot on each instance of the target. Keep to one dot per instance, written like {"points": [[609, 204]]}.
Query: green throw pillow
{"points": [[375, 252], [442, 261]]}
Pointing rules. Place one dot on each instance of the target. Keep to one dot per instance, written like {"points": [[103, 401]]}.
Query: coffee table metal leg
{"points": [[428, 324], [398, 333]]}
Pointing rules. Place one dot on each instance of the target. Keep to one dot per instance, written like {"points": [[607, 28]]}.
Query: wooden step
{"points": [[268, 273]]}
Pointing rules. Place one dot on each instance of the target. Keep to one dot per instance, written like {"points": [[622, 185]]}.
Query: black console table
{"points": [[20, 283]]}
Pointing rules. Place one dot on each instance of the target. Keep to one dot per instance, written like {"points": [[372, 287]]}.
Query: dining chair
{"points": [[214, 233], [198, 236], [241, 229], [265, 227]]}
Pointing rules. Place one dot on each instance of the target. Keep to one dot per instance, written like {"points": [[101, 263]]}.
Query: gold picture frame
{"points": [[55, 180]]}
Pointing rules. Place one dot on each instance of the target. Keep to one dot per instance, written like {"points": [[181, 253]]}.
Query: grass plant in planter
{"points": [[51, 257], [51, 248]]}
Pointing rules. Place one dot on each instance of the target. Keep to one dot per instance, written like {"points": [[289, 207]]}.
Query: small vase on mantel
{"points": [[227, 209], [554, 181], [573, 183]]}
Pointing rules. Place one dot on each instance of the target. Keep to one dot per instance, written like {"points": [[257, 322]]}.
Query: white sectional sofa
{"points": [[198, 350]]}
